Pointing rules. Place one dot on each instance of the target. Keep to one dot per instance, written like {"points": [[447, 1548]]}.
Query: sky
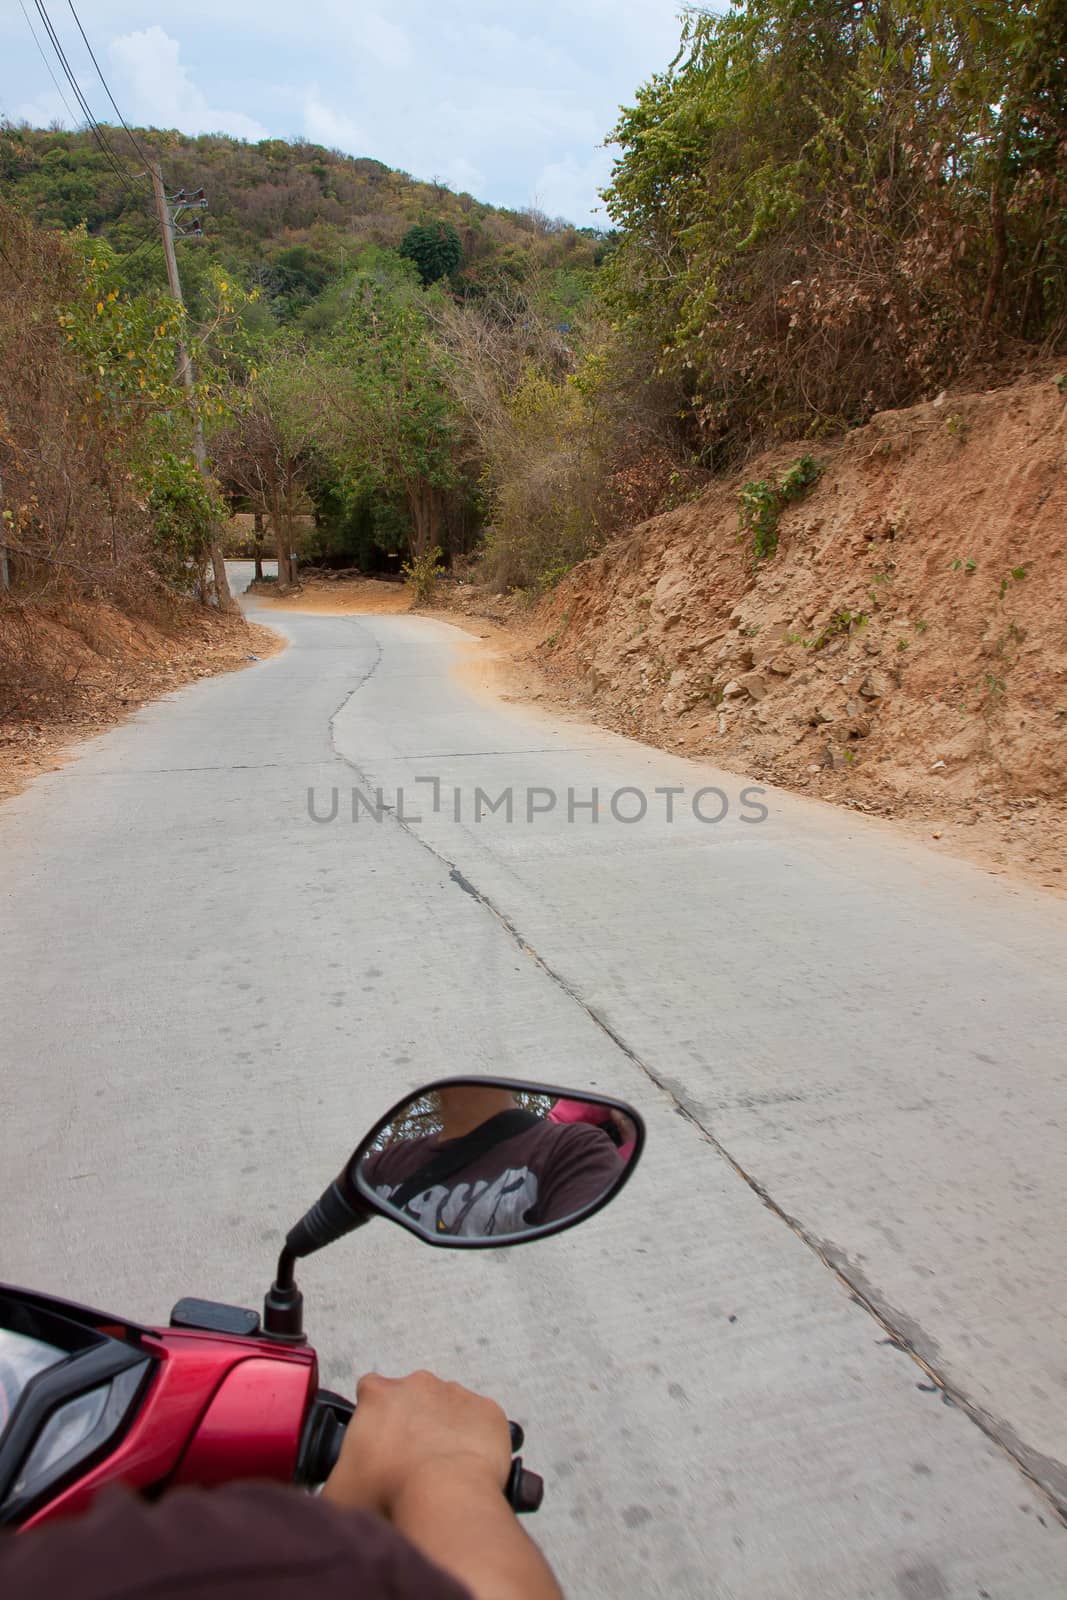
{"points": [[510, 102]]}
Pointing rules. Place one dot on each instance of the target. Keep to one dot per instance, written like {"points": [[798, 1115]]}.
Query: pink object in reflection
{"points": [[583, 1111]]}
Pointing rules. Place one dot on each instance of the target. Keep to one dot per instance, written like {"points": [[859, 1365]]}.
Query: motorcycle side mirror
{"points": [[470, 1163], [489, 1162]]}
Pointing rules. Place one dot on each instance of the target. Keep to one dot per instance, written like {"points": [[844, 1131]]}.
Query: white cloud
{"points": [[43, 111], [568, 188], [366, 36], [463, 175], [158, 91], [387, 43], [323, 125], [502, 116]]}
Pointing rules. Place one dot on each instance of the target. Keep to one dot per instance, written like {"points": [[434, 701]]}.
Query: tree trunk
{"points": [[425, 506], [290, 523], [223, 598], [281, 543], [257, 535]]}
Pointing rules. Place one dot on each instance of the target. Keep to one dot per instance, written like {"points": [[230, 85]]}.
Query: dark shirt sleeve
{"points": [[236, 1543], [582, 1166]]}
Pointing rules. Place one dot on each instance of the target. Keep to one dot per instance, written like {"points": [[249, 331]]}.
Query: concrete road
{"points": [[815, 1349]]}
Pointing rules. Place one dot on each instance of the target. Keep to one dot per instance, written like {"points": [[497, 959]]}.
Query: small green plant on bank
{"points": [[995, 690], [1016, 575], [709, 688], [964, 565], [758, 510], [876, 591], [958, 426], [760, 504], [799, 478], [921, 626], [421, 572], [840, 622], [561, 627], [552, 575]]}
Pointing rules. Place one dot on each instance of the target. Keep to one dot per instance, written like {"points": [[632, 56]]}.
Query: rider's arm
{"points": [[240, 1542], [433, 1458], [580, 1167]]}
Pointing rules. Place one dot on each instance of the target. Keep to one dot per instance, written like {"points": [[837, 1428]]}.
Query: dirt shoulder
{"points": [[99, 666]]}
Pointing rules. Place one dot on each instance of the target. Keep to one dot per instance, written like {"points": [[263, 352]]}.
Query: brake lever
{"points": [[524, 1490]]}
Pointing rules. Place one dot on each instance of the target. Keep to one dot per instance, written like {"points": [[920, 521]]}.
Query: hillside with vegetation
{"points": [[289, 219], [821, 214]]}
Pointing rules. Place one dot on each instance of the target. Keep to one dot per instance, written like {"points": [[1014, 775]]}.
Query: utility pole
{"points": [[185, 370], [5, 573]]}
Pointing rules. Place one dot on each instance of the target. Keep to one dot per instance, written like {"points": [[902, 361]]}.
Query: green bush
{"points": [[421, 572], [183, 510]]}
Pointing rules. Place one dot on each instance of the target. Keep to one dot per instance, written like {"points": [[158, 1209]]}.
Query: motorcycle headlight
{"points": [[60, 1438]]}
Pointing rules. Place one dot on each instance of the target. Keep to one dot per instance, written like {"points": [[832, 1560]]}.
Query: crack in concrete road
{"points": [[1047, 1475]]}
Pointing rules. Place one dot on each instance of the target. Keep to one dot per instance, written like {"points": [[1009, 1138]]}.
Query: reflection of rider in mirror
{"points": [[493, 1168]]}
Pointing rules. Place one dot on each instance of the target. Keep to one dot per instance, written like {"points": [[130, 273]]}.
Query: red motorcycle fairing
{"points": [[218, 1408]]}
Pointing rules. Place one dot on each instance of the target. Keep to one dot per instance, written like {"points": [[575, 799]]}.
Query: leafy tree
{"points": [[385, 412], [827, 208], [95, 433], [264, 451], [295, 278], [435, 249]]}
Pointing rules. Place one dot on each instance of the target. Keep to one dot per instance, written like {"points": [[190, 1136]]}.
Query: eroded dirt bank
{"points": [[905, 649]]}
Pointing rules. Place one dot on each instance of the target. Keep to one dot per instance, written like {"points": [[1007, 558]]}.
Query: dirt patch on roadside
{"points": [[103, 665], [324, 597]]}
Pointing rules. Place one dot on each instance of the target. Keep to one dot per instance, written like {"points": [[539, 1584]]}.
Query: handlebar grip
{"points": [[525, 1490], [324, 1432]]}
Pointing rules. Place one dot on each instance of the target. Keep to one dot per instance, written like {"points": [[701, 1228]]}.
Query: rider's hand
{"points": [[434, 1459], [405, 1430]]}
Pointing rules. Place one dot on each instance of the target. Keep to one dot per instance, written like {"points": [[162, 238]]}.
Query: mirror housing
{"points": [[500, 1176], [518, 1160]]}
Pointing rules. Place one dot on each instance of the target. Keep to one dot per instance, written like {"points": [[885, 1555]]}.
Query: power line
{"points": [[48, 66], [150, 238], [109, 153], [136, 142]]}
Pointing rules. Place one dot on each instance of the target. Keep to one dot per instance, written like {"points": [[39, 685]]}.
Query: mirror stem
{"points": [[283, 1307], [285, 1273]]}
